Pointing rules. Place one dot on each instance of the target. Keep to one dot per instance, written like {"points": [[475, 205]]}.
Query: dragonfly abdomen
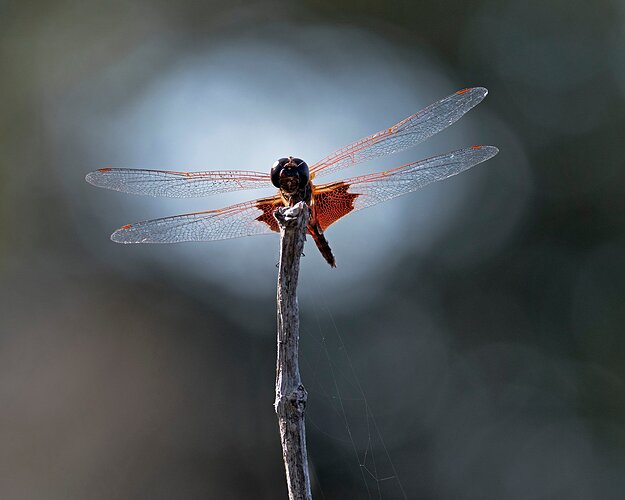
{"points": [[322, 243]]}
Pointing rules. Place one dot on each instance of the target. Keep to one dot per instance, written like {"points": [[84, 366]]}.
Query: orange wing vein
{"points": [[177, 184], [242, 219], [337, 199], [405, 134]]}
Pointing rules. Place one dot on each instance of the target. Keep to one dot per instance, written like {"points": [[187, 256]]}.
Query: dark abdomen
{"points": [[322, 244]]}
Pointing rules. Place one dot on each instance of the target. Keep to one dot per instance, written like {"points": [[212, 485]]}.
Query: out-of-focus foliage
{"points": [[482, 319]]}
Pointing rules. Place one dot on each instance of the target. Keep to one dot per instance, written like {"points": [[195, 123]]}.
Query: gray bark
{"points": [[291, 396]]}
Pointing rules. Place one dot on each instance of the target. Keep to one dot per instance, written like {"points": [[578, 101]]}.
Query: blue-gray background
{"points": [[479, 321]]}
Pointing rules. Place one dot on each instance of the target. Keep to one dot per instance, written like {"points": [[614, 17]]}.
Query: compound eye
{"points": [[276, 169], [280, 163]]}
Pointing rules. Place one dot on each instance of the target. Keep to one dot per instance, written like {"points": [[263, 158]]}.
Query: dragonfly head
{"points": [[290, 174]]}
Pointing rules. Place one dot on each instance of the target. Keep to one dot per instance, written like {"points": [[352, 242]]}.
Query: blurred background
{"points": [[469, 344]]}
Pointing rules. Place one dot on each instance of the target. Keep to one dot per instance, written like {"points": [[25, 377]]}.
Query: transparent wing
{"points": [[405, 134], [337, 199], [243, 219], [177, 184]]}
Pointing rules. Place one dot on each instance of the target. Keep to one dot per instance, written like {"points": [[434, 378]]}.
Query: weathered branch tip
{"points": [[290, 403]]}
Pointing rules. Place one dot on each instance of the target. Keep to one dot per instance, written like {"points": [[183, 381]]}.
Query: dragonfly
{"points": [[296, 182]]}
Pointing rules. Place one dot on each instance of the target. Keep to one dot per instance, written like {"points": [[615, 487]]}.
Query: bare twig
{"points": [[291, 396]]}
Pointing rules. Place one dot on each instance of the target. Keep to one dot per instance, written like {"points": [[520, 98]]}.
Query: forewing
{"points": [[243, 219], [405, 134], [177, 184], [337, 199]]}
